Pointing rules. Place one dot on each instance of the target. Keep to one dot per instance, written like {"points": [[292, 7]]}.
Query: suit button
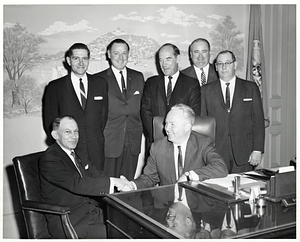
{"points": [[126, 116]]}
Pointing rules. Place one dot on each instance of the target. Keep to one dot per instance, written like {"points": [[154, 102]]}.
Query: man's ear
{"points": [[54, 134], [68, 60]]}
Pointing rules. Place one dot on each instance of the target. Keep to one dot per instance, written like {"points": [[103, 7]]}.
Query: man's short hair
{"points": [[56, 122], [176, 51], [117, 41], [225, 52], [77, 46], [188, 112], [200, 40]]}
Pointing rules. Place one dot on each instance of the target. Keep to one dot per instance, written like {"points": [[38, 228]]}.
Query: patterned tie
{"points": [[203, 78], [180, 166], [169, 90], [123, 83], [227, 97], [76, 160], [82, 94]]}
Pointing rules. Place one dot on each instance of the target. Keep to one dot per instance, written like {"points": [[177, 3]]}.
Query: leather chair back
{"points": [[203, 125], [27, 174]]}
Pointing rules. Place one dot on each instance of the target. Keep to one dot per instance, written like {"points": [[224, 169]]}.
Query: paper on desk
{"points": [[228, 180]]}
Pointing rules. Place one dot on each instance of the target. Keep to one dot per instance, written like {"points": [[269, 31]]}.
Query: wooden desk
{"points": [[142, 215]]}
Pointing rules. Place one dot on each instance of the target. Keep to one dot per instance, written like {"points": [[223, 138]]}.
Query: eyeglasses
{"points": [[221, 64]]}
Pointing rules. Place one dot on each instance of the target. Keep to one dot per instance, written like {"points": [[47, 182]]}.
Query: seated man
{"points": [[68, 178], [183, 153]]}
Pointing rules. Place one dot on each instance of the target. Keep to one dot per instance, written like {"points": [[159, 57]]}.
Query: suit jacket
{"points": [[212, 74], [154, 101], [242, 130], [201, 157], [62, 184], [124, 113], [60, 99]]}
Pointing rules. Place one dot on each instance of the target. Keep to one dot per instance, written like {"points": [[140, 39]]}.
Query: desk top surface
{"points": [[187, 212]]}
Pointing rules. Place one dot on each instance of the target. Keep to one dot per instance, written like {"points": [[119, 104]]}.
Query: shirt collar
{"points": [[74, 77], [117, 72]]}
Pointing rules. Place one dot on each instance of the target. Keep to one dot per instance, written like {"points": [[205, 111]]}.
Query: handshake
{"points": [[123, 184]]}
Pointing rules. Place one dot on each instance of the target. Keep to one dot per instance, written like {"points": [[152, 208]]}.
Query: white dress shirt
{"points": [[231, 88], [76, 85], [118, 76], [198, 73], [173, 80]]}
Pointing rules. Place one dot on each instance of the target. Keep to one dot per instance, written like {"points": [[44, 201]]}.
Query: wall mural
{"points": [[35, 42], [35, 38]]}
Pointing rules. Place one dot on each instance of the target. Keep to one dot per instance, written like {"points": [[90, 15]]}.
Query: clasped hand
{"points": [[123, 184]]}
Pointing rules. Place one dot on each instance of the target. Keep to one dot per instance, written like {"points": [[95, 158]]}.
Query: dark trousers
{"points": [[124, 165]]}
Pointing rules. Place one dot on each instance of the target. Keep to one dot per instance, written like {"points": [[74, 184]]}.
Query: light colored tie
{"points": [[203, 78], [82, 93], [169, 90], [76, 162]]}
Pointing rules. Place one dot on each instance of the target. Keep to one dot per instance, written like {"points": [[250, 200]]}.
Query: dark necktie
{"points": [[82, 94], [123, 83], [180, 166], [76, 160], [203, 78], [227, 97], [169, 90]]}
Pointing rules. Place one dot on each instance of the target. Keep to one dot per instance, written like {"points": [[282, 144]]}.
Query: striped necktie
{"points": [[169, 90], [82, 94], [203, 78]]}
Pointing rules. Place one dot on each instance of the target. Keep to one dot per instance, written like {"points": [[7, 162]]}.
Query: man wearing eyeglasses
{"points": [[236, 105]]}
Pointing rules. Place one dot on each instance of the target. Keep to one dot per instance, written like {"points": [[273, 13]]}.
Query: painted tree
{"points": [[227, 37], [21, 53]]}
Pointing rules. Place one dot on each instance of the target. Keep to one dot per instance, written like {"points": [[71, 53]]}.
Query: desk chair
{"points": [[27, 174], [203, 125]]}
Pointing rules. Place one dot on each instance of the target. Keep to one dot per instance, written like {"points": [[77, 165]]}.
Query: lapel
{"points": [[169, 161], [129, 81], [62, 154], [192, 72], [162, 89], [178, 88], [218, 93], [70, 91], [114, 83], [189, 152], [239, 93]]}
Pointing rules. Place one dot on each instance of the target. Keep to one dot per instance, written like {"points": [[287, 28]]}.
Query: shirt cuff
{"points": [[111, 185], [133, 185]]}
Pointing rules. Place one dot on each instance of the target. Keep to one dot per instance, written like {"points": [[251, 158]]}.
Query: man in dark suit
{"points": [[183, 153], [83, 96], [163, 91], [200, 67], [236, 106], [68, 179], [123, 131]]}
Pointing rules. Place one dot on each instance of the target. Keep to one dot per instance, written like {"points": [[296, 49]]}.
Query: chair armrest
{"points": [[45, 207]]}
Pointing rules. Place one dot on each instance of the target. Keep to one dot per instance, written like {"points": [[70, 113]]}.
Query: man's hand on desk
{"points": [[255, 158], [189, 176]]}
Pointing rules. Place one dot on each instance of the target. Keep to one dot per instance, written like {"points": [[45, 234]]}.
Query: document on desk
{"points": [[227, 182]]}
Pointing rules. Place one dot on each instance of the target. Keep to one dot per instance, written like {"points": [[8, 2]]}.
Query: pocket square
{"points": [[98, 98], [86, 167], [136, 93], [247, 99]]}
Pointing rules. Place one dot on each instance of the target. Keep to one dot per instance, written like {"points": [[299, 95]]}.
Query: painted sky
{"points": [[63, 24]]}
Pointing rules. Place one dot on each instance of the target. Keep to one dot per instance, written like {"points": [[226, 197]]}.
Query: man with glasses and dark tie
{"points": [[200, 67], [237, 107], [163, 91], [82, 96]]}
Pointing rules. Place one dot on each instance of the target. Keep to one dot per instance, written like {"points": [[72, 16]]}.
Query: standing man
{"points": [[201, 69], [236, 106], [82, 96], [123, 131], [163, 91]]}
